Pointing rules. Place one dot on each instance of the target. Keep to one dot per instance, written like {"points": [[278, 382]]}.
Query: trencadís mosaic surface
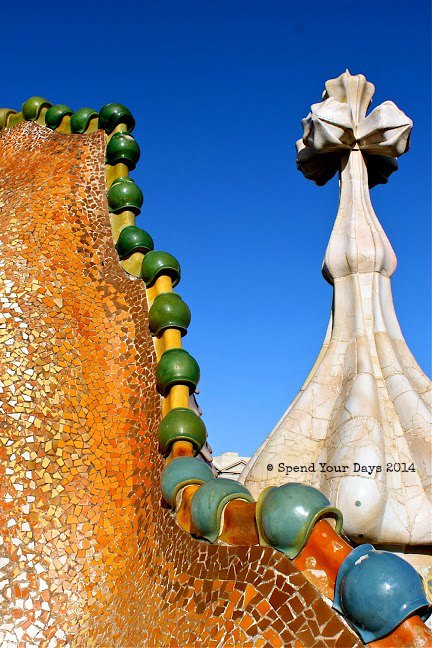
{"points": [[89, 555]]}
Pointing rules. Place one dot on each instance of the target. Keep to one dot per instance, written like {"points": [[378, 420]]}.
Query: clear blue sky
{"points": [[218, 90]]}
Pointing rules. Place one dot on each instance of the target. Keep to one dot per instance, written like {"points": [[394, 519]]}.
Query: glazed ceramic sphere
{"points": [[169, 311], [286, 515], [55, 114], [122, 148], [31, 108], [112, 115], [124, 194], [377, 590], [209, 502], [181, 472], [158, 263], [181, 424], [133, 239], [80, 119], [177, 367]]}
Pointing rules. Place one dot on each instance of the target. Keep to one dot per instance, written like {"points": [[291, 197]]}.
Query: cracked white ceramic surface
{"points": [[366, 400]]}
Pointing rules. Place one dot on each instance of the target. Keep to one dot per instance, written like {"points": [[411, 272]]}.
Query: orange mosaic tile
{"points": [[88, 554]]}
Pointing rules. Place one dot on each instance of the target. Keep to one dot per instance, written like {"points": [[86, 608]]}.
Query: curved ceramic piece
{"points": [[31, 108], [169, 311], [124, 194], [158, 263], [209, 502], [377, 590], [133, 239], [182, 472], [177, 367], [112, 115], [321, 168], [329, 127], [181, 424], [4, 116], [360, 428], [81, 119], [287, 514], [385, 131], [55, 114], [354, 90], [123, 148], [379, 169]]}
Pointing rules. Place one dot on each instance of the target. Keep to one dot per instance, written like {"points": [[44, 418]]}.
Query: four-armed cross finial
{"points": [[339, 124]]}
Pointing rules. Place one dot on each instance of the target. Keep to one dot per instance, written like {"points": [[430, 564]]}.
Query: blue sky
{"points": [[218, 91]]}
